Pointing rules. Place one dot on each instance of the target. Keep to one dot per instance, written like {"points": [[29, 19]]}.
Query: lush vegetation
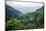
{"points": [[27, 22]]}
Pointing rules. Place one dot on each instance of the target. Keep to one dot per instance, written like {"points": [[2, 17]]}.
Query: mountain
{"points": [[11, 12], [39, 15], [33, 17]]}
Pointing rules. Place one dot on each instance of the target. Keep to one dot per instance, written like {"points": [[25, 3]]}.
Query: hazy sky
{"points": [[24, 7]]}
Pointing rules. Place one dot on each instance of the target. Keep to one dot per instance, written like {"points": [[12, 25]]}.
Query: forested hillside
{"points": [[28, 21]]}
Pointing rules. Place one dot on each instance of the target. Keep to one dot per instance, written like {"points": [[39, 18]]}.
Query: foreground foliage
{"points": [[29, 22]]}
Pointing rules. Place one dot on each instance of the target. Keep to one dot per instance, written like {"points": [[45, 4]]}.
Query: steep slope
{"points": [[11, 12]]}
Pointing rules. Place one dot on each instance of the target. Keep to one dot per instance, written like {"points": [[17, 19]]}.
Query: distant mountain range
{"points": [[10, 12]]}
